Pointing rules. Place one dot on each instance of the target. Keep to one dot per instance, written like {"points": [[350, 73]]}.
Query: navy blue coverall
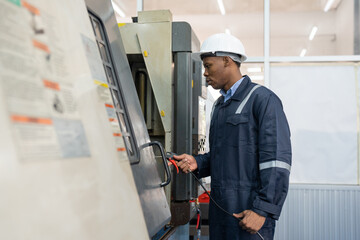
{"points": [[249, 161]]}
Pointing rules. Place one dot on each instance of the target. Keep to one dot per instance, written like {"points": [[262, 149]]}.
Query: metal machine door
{"points": [[148, 182]]}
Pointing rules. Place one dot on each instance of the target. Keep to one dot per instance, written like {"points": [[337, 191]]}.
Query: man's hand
{"points": [[251, 221], [186, 162]]}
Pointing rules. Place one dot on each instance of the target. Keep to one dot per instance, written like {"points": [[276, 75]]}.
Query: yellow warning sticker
{"points": [[105, 85]]}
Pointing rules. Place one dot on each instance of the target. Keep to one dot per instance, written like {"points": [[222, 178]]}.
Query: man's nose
{"points": [[206, 73]]}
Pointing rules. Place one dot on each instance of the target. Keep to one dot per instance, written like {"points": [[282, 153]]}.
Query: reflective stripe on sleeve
{"points": [[242, 104], [271, 164]]}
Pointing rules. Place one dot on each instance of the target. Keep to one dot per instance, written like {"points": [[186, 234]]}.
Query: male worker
{"points": [[250, 152]]}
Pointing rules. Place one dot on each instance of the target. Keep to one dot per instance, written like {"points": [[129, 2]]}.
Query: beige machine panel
{"points": [[64, 172], [139, 38]]}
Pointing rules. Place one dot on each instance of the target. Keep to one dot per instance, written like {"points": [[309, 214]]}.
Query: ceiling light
{"points": [[313, 32], [303, 52], [117, 9], [328, 5], [254, 69], [227, 31], [221, 6]]}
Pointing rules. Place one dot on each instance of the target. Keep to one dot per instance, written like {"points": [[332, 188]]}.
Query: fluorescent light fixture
{"points": [[313, 32], [254, 69], [257, 77], [117, 9], [227, 31], [328, 5], [303, 52], [221, 6]]}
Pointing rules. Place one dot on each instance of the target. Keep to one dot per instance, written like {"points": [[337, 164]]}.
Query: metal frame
{"points": [[358, 121], [267, 42], [340, 58], [140, 5], [357, 26]]}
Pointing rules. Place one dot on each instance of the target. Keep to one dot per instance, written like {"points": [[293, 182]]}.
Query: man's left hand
{"points": [[251, 221]]}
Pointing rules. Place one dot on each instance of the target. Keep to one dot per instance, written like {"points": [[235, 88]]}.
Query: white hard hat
{"points": [[224, 43]]}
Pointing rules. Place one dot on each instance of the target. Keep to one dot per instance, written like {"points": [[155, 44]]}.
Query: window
{"points": [[115, 88], [313, 28]]}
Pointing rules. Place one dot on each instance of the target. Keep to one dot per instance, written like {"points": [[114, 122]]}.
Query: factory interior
{"points": [[98, 97]]}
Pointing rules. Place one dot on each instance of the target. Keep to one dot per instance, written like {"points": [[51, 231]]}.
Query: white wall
{"points": [[320, 102]]}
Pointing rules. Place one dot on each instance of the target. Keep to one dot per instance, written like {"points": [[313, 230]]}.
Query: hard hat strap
{"points": [[235, 57]]}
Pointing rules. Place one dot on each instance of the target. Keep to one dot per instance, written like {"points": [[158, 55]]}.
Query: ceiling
{"points": [[203, 7], [290, 23]]}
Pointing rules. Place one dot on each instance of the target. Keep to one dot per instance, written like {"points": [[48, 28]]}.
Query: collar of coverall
{"points": [[238, 95]]}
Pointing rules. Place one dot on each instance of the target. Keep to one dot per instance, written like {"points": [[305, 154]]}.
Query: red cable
{"points": [[198, 221], [174, 163]]}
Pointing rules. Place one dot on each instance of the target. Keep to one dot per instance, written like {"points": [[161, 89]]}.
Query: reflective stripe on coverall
{"points": [[249, 161]]}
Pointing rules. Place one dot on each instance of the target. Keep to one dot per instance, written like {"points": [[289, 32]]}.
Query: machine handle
{"points": [[163, 156]]}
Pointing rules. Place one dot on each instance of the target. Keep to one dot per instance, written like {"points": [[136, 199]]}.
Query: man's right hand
{"points": [[186, 162]]}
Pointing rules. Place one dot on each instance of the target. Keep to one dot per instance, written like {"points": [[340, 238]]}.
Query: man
{"points": [[250, 152]]}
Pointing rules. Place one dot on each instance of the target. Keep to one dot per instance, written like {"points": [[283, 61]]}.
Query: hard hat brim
{"points": [[197, 56]]}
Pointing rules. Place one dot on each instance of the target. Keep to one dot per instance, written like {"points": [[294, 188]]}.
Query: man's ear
{"points": [[227, 61]]}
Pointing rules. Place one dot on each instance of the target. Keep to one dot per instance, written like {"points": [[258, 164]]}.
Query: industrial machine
{"points": [[172, 94], [85, 126], [65, 168]]}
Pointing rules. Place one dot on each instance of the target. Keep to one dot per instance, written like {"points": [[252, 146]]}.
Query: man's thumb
{"points": [[239, 215], [180, 157]]}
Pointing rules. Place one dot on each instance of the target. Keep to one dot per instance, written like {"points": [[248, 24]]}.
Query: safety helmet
{"points": [[224, 43]]}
